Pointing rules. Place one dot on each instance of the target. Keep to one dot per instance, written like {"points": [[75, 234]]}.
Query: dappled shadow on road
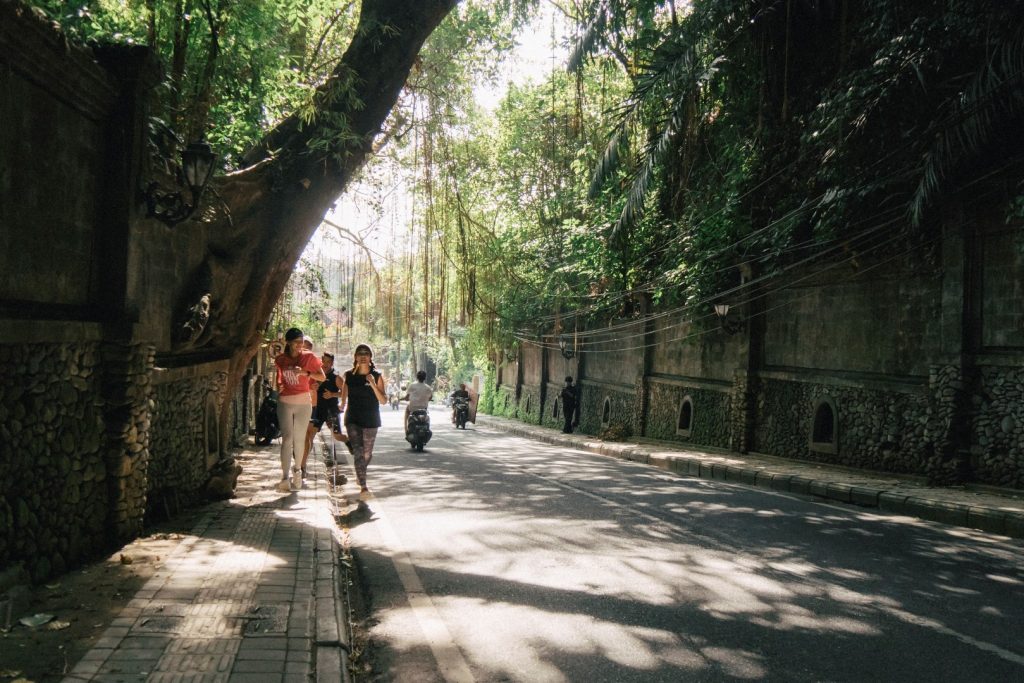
{"points": [[589, 568]]}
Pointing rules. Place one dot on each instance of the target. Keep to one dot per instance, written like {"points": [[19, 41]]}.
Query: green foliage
{"points": [[235, 68]]}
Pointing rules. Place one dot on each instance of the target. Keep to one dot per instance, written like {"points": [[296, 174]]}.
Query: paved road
{"points": [[490, 557]]}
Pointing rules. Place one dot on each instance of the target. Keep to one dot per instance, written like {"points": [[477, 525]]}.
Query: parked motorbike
{"points": [[267, 428], [461, 411], [417, 429]]}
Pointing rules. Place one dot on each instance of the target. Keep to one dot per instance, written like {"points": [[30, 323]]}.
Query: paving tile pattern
{"points": [[251, 594]]}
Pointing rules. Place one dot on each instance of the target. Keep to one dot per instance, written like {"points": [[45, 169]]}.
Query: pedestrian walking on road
{"points": [[362, 395], [295, 368], [569, 406]]}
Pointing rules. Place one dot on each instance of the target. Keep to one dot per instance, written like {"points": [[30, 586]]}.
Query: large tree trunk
{"points": [[268, 211]]}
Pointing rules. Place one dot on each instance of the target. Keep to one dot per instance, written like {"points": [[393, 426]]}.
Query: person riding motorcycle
{"points": [[461, 392], [418, 394]]}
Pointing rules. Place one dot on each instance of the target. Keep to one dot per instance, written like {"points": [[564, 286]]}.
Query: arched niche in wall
{"points": [[684, 421], [606, 412], [824, 437], [554, 409]]}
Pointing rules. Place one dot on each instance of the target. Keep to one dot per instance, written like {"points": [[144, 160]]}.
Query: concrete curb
{"points": [[996, 520], [333, 627], [333, 631]]}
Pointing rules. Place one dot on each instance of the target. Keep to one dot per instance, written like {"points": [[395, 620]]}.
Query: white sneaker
{"points": [[296, 479], [283, 486]]}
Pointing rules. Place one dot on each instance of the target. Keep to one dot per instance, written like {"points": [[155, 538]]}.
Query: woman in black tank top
{"points": [[362, 394]]}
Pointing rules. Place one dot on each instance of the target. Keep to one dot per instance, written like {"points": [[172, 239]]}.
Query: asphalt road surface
{"points": [[490, 557]]}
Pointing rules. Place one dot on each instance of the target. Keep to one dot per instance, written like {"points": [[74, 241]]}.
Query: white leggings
{"points": [[292, 418]]}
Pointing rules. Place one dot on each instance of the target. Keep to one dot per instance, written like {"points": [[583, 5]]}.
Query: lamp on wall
{"points": [[730, 325], [197, 167], [563, 346]]}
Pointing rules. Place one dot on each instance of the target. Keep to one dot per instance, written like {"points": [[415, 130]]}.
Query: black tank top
{"points": [[363, 409]]}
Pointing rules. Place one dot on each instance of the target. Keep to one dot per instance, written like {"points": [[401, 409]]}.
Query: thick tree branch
{"points": [[298, 171]]}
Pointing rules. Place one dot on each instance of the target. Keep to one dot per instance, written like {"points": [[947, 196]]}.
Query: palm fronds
{"points": [[674, 80], [991, 99], [592, 35]]}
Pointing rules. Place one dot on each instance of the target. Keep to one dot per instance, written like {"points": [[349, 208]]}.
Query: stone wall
{"points": [[530, 403], [885, 321], [128, 401], [552, 410], [878, 428], [709, 420], [505, 401], [622, 404], [912, 365], [89, 427], [186, 432], [997, 426], [54, 482]]}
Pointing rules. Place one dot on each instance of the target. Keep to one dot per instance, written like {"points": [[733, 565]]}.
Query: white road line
{"points": [[450, 662]]}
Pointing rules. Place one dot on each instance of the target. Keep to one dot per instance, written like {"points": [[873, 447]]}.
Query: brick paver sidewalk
{"points": [[251, 595]]}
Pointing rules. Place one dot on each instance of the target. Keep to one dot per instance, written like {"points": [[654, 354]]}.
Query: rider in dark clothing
{"points": [[461, 392]]}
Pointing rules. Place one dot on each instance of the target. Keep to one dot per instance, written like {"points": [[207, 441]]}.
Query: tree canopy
{"points": [[684, 153]]}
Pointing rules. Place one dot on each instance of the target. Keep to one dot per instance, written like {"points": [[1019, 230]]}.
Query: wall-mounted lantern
{"points": [[197, 167], [564, 346], [732, 324]]}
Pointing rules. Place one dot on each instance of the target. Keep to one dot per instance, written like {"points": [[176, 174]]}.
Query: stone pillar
{"points": [[743, 397], [946, 460], [127, 394], [647, 360]]}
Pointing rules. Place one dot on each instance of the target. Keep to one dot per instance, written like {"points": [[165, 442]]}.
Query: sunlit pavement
{"points": [[992, 510], [513, 561], [251, 594], [492, 557]]}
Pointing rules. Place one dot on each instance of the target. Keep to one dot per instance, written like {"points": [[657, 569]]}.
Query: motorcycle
{"points": [[267, 428], [417, 429], [461, 411]]}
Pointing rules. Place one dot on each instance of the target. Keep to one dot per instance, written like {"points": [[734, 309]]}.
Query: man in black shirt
{"points": [[326, 408], [568, 396]]}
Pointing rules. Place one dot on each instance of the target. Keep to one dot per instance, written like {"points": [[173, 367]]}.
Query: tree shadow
{"points": [[647, 575]]}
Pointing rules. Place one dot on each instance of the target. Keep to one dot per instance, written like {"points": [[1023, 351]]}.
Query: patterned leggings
{"points": [[361, 439]]}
